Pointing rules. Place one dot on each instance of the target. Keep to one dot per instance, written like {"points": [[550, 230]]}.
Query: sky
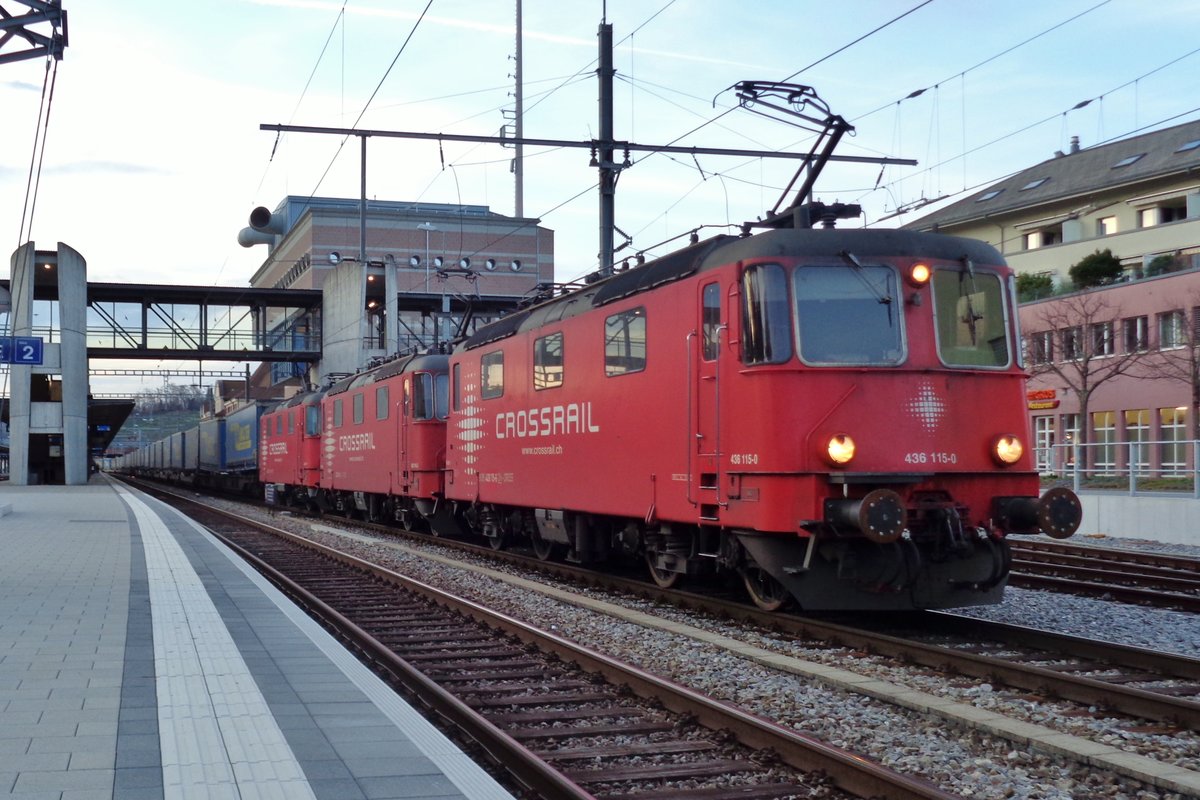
{"points": [[153, 156]]}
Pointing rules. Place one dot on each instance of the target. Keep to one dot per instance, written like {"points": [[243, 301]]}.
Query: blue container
{"points": [[212, 453], [191, 450], [241, 438]]}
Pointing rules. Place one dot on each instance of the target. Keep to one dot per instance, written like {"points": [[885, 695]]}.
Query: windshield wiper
{"points": [[972, 316]]}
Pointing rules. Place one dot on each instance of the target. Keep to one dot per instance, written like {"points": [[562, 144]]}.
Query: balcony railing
{"points": [[1171, 465]]}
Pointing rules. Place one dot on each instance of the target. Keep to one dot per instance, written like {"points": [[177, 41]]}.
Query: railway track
{"points": [[1157, 579], [567, 722]]}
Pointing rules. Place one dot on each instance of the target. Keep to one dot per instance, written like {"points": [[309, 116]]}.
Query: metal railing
{"points": [[1167, 465]]}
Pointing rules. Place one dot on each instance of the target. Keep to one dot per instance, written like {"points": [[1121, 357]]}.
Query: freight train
{"points": [[835, 418]]}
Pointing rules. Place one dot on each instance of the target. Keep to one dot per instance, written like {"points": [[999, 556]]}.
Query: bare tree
{"points": [[1079, 339], [1178, 356]]}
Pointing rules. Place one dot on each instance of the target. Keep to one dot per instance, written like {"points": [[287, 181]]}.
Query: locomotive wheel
{"points": [[497, 542], [766, 592], [666, 579], [543, 549]]}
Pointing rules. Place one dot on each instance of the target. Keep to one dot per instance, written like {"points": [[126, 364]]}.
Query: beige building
{"points": [[1139, 197]]}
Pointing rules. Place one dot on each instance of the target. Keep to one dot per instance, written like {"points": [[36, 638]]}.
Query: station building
{"points": [[394, 275], [1131, 346]]}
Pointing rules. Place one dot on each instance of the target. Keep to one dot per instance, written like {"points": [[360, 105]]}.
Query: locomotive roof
{"points": [[433, 362], [721, 250]]}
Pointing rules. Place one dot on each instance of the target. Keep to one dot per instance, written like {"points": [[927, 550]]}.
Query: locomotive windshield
{"points": [[848, 315], [969, 314]]}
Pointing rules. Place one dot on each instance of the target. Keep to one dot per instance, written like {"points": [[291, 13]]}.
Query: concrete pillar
{"points": [[73, 363], [21, 316], [66, 358]]}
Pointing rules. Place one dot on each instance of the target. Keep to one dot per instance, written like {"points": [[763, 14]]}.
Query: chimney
{"points": [[1074, 144]]}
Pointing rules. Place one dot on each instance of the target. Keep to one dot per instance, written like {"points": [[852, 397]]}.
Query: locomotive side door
{"points": [[405, 410], [704, 454]]}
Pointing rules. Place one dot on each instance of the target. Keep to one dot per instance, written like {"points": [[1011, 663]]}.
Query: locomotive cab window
{"points": [[491, 375], [848, 314], [312, 420], [970, 318], [548, 361], [625, 342], [431, 395], [766, 323]]}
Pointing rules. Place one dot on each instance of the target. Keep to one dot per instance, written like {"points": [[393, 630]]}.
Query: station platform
{"points": [[140, 659]]}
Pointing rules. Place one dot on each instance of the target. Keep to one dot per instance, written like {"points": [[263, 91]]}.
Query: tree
{"points": [[1033, 287], [1086, 327], [1098, 269]]}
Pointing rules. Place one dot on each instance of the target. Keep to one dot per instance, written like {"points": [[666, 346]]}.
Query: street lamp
{"points": [[427, 227]]}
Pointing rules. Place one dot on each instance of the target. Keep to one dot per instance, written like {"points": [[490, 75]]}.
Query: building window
{"points": [[1102, 339], [1041, 347], [983, 198], [1104, 439], [1137, 434], [1043, 238], [625, 342], [1034, 184], [1043, 443], [1125, 162], [491, 375], [548, 361], [1173, 453], [1072, 343], [1106, 226], [1171, 333], [1136, 334], [1192, 145]]}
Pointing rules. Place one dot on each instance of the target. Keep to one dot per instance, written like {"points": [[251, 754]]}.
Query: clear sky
{"points": [[154, 157]]}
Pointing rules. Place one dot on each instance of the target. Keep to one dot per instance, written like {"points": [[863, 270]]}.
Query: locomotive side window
{"points": [[625, 342], [457, 386], [291, 422], [358, 408], [337, 413], [970, 319], [766, 323], [381, 402], [491, 375], [710, 321], [548, 361], [312, 420], [279, 425], [846, 315]]}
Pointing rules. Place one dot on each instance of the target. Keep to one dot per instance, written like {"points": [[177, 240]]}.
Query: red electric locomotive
{"points": [[289, 452], [384, 441], [837, 416]]}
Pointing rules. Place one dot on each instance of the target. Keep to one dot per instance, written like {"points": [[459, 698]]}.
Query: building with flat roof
{"points": [[396, 275]]}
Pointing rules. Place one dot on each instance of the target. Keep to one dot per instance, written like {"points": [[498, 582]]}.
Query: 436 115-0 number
{"points": [[939, 457]]}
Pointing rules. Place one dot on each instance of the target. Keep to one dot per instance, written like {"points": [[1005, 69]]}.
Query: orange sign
{"points": [[1041, 405], [1041, 394]]}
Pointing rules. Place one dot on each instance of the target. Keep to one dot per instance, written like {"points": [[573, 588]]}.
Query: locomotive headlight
{"points": [[918, 274], [1008, 450], [840, 449]]}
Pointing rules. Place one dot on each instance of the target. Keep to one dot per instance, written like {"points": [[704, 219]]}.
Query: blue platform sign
{"points": [[25, 350]]}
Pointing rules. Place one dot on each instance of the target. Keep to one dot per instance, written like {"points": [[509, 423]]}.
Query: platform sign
{"points": [[26, 350]]}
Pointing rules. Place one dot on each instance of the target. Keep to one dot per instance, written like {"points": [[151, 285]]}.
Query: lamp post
{"points": [[427, 227]]}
